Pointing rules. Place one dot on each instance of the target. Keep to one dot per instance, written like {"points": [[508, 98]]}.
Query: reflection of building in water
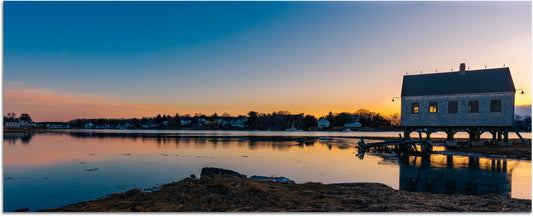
{"points": [[455, 174], [12, 138]]}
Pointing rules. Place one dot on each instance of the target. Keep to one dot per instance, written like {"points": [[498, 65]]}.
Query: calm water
{"points": [[54, 169], [439, 134]]}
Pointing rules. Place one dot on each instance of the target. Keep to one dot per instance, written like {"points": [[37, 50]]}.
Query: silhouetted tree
{"points": [[330, 118], [11, 115], [252, 119], [342, 118], [158, 119], [309, 121], [213, 117], [25, 117]]}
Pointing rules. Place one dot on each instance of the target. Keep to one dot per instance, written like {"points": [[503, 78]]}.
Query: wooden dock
{"points": [[396, 146]]}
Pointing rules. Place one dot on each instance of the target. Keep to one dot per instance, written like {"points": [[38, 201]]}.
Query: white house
{"points": [[239, 122], [323, 123], [185, 122], [202, 122], [352, 125], [13, 124]]}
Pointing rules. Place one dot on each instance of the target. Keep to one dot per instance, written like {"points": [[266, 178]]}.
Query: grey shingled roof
{"points": [[474, 81]]}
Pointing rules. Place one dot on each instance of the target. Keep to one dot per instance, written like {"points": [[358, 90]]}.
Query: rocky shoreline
{"points": [[220, 191]]}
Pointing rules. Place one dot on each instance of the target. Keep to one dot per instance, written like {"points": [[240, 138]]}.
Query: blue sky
{"points": [[188, 57]]}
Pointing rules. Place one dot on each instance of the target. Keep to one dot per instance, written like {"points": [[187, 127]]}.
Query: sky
{"points": [[67, 60]]}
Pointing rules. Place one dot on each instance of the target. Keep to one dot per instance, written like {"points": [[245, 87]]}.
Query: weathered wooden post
{"points": [[450, 132], [505, 133]]}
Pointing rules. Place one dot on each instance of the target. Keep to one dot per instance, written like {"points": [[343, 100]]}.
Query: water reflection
{"points": [[12, 138], [449, 174], [57, 169]]}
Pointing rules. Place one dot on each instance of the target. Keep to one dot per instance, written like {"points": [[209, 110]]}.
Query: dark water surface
{"points": [[54, 169]]}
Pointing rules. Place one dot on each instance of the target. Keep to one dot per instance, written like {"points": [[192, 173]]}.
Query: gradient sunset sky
{"points": [[66, 60]]}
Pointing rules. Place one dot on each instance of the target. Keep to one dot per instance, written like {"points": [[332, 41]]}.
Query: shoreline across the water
{"points": [[517, 150], [232, 192]]}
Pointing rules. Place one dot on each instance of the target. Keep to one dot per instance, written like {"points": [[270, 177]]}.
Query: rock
{"points": [[134, 192], [218, 171], [273, 178], [262, 178], [283, 179], [22, 210], [193, 176]]}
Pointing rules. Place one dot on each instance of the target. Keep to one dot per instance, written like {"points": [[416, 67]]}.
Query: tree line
{"points": [[280, 120]]}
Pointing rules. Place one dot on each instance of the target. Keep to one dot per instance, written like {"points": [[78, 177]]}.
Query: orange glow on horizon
{"points": [[46, 105]]}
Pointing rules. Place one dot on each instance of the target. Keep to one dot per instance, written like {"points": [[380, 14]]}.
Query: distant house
{"points": [[523, 124], [150, 124], [239, 122], [185, 122], [30, 124], [352, 125], [89, 125], [202, 122], [474, 101], [323, 123], [13, 123], [57, 126], [17, 123], [224, 123]]}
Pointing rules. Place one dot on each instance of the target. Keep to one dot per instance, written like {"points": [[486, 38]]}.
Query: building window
{"points": [[433, 107], [495, 105], [415, 107], [473, 106], [452, 107]]}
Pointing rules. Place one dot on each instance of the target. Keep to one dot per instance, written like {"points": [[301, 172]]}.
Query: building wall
{"points": [[462, 118]]}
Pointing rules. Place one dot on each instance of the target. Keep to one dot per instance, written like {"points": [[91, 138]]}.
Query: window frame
{"points": [[413, 105], [435, 104], [470, 107], [456, 106], [499, 110]]}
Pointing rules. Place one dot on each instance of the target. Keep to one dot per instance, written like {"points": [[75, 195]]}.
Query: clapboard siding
{"points": [[484, 118]]}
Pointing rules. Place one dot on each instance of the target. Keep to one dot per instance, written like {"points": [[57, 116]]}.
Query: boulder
{"points": [[273, 178], [218, 171]]}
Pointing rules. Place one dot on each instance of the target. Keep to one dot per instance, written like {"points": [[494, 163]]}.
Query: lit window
{"points": [[495, 105], [473, 106], [433, 107], [415, 108]]}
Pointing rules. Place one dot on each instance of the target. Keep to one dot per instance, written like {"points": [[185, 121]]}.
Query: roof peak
{"points": [[457, 72], [473, 81]]}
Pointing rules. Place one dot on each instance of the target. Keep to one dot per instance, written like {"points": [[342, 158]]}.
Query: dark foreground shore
{"points": [[224, 193]]}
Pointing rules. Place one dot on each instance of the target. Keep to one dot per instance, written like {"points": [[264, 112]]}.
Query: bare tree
{"points": [[11, 115]]}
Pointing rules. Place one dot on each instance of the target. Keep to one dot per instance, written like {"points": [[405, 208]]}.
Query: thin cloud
{"points": [[47, 105]]}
